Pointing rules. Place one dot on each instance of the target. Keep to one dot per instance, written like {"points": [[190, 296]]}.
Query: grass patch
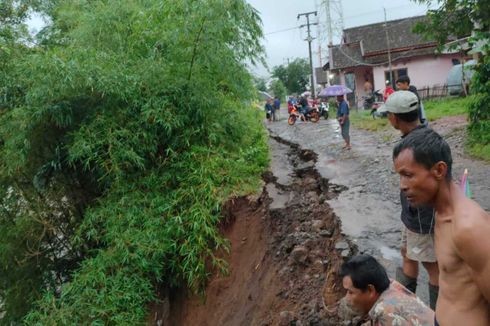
{"points": [[448, 106], [434, 109], [363, 120], [480, 151]]}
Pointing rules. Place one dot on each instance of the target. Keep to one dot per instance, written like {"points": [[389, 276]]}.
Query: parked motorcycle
{"points": [[323, 110], [373, 102], [312, 115]]}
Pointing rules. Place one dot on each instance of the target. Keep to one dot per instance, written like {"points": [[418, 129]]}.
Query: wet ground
{"points": [[369, 206]]}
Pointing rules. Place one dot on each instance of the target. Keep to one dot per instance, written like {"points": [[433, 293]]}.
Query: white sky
{"points": [[278, 15]]}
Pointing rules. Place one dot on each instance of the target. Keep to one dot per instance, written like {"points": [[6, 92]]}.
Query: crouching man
{"points": [[381, 301]]}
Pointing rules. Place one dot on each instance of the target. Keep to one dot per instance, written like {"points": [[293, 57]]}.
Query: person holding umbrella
{"points": [[343, 118], [342, 109]]}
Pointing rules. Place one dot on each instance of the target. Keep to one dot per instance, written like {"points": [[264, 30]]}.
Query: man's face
{"points": [[416, 181], [362, 301], [402, 86]]}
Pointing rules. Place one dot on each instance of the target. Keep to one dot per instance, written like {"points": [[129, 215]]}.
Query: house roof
{"points": [[367, 45], [346, 55], [373, 36]]}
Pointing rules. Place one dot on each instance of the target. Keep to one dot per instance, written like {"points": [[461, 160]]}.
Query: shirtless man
{"points": [[423, 161]]}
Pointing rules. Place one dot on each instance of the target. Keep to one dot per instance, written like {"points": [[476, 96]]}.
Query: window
{"points": [[396, 73]]}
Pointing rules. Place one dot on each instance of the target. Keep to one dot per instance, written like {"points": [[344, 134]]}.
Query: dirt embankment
{"points": [[286, 248]]}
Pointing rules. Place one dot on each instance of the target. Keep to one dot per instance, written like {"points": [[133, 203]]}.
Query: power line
{"points": [[282, 30], [348, 17]]}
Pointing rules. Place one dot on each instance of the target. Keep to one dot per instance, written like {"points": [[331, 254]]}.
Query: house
{"points": [[366, 51]]}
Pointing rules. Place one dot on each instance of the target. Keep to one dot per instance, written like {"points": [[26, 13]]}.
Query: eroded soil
{"points": [[286, 248]]}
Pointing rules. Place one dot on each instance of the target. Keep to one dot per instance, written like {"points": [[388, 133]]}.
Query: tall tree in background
{"points": [[462, 18], [278, 89], [260, 83], [295, 75]]}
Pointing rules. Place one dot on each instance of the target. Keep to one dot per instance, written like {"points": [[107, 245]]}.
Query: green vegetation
{"points": [[363, 120], [467, 18], [435, 109], [278, 89], [294, 75], [121, 135], [445, 107]]}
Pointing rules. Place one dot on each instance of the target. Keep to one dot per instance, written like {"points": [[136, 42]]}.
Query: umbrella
{"points": [[334, 90], [264, 95]]}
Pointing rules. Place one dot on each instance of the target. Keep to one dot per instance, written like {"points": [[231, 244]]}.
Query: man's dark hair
{"points": [[428, 148], [403, 79], [408, 116], [364, 270]]}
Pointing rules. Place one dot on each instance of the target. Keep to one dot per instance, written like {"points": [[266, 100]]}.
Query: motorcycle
{"points": [[373, 102], [312, 115], [323, 110]]}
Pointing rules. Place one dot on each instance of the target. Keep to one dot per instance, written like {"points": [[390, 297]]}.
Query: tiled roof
{"points": [[366, 45], [373, 36], [346, 55]]}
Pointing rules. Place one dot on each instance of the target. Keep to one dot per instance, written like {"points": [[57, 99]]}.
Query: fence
{"points": [[438, 91]]}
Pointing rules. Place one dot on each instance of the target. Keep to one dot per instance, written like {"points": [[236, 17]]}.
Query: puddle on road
{"points": [[389, 253], [279, 198]]}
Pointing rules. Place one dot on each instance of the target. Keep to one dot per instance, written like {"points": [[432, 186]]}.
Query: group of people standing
{"points": [[272, 107], [443, 230]]}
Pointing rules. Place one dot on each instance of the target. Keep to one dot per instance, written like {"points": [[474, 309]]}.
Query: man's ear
{"points": [[439, 170], [372, 290]]}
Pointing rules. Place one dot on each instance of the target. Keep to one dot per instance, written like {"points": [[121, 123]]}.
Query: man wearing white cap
{"points": [[417, 244]]}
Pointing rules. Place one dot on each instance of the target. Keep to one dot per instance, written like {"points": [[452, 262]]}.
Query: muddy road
{"points": [[369, 207]]}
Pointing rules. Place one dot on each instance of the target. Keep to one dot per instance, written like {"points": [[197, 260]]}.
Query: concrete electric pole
{"points": [[310, 39]]}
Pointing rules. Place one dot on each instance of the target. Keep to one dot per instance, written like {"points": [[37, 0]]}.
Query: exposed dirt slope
{"points": [[285, 249]]}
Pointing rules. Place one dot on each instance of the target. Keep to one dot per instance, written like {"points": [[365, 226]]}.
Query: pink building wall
{"points": [[423, 71]]}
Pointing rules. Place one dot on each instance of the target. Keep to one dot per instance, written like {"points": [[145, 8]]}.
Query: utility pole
{"points": [[310, 39], [389, 49]]}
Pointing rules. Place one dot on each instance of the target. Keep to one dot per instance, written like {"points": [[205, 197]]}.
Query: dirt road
{"points": [[320, 203]]}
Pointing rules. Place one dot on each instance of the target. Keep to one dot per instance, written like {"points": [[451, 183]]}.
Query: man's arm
{"points": [[343, 113], [472, 241]]}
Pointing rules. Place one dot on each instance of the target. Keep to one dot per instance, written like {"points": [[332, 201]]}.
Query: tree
{"points": [[260, 84], [118, 146], [278, 89], [295, 75], [464, 18]]}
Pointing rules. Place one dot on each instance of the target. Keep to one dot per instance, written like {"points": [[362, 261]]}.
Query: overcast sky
{"points": [[284, 40]]}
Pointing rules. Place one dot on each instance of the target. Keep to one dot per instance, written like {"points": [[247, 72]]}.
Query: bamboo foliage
{"points": [[130, 129]]}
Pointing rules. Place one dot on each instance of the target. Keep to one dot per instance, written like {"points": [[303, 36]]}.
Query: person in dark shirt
{"points": [[276, 106], [418, 233], [269, 109], [343, 118], [403, 84]]}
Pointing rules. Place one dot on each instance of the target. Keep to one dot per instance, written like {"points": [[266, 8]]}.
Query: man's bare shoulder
{"points": [[470, 230], [469, 216]]}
